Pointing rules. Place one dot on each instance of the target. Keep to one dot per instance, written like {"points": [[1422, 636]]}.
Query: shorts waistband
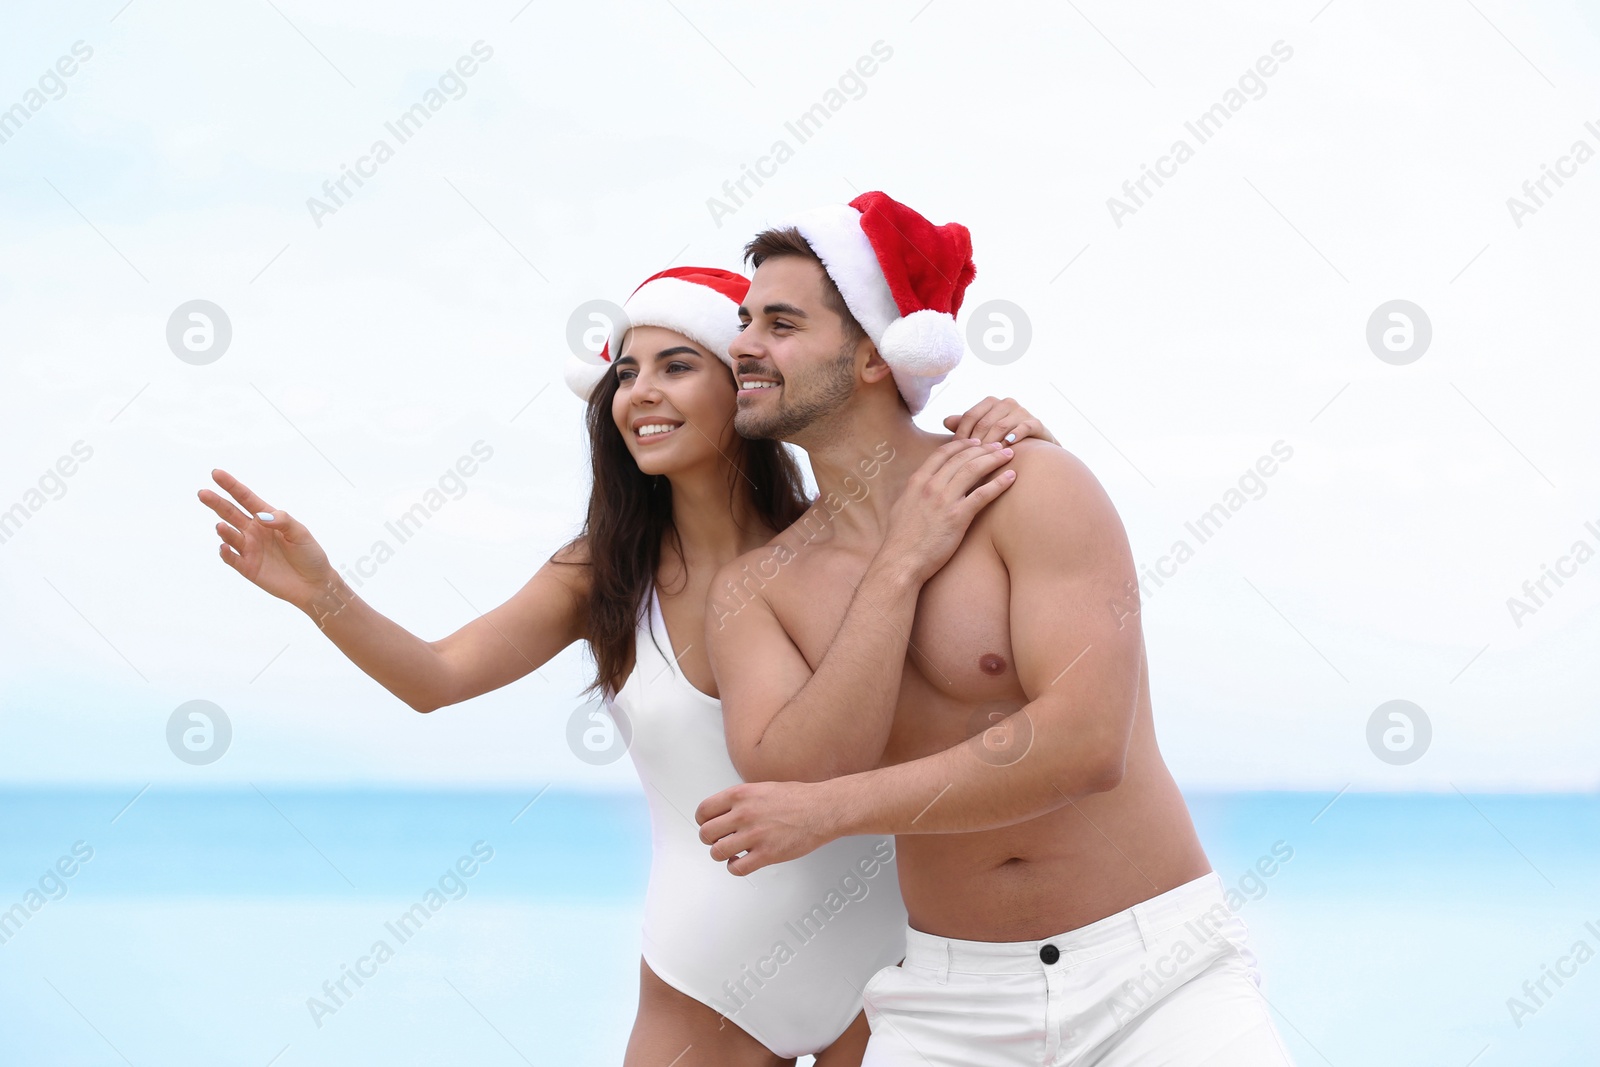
{"points": [[1131, 926]]}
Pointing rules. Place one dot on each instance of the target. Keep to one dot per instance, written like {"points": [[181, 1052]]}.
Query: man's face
{"points": [[794, 364]]}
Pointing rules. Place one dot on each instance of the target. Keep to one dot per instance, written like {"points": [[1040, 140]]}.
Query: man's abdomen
{"points": [[1089, 858]]}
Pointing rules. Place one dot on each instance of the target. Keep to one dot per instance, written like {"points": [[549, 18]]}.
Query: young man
{"points": [[967, 672]]}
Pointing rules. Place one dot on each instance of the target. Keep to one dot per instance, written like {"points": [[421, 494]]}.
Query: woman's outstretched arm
{"points": [[276, 552]]}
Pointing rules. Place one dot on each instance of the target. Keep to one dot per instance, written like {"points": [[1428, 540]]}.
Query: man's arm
{"points": [[1078, 644], [784, 722]]}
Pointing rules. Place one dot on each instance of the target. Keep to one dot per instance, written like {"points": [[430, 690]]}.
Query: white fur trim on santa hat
{"points": [[915, 391], [921, 349], [834, 233], [582, 375], [699, 312]]}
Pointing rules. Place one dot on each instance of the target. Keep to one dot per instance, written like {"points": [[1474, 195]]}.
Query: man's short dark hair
{"points": [[789, 242]]}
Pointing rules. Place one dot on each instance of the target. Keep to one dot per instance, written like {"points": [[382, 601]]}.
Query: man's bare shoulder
{"points": [[1033, 454], [1056, 497]]}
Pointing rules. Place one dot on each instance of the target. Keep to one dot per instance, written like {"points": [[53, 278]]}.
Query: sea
{"points": [[155, 925]]}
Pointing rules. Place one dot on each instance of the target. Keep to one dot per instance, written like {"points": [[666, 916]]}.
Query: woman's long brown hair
{"points": [[630, 519]]}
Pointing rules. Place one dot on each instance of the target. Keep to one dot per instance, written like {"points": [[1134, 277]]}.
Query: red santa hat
{"points": [[702, 303], [902, 278]]}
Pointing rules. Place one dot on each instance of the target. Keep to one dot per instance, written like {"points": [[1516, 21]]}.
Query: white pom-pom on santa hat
{"points": [[924, 343], [920, 348], [902, 278]]}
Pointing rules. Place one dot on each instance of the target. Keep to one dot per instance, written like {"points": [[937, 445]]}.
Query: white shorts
{"points": [[1170, 981]]}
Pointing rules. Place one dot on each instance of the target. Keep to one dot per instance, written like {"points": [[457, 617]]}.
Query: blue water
{"points": [[203, 923]]}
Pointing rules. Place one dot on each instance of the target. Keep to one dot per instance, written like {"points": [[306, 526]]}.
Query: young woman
{"points": [[676, 494]]}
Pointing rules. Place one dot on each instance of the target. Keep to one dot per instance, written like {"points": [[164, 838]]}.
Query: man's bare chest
{"points": [[959, 641]]}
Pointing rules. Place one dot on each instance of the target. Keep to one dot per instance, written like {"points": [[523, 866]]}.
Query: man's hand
{"points": [[769, 822]]}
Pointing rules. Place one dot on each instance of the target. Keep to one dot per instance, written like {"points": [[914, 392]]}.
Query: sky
{"points": [[1362, 161]]}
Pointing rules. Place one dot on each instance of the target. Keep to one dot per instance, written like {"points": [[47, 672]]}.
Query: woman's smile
{"points": [[653, 428]]}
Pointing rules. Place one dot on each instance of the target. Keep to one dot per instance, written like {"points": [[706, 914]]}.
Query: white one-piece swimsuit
{"points": [[782, 952]]}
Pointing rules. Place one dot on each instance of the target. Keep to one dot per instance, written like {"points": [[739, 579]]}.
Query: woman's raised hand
{"points": [[939, 502], [991, 420], [267, 546]]}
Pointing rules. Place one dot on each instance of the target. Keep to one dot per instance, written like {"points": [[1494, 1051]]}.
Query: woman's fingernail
{"points": [[264, 516], [1010, 437]]}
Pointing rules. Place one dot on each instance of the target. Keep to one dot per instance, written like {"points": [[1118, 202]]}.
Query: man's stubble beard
{"points": [[832, 386]]}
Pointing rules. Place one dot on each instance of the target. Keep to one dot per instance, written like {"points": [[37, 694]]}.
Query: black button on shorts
{"points": [[1049, 953]]}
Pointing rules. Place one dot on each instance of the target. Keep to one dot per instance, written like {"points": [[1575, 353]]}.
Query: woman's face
{"points": [[674, 403]]}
